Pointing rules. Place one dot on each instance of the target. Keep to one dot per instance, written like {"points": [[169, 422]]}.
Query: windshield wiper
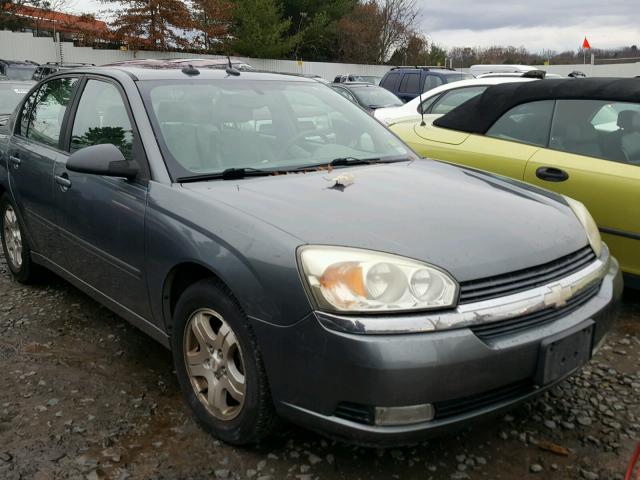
{"points": [[228, 174], [349, 161]]}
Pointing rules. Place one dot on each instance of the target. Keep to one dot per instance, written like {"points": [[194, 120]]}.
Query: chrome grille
{"points": [[521, 280], [489, 331]]}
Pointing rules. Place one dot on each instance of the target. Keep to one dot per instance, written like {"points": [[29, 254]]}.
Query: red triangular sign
{"points": [[585, 44]]}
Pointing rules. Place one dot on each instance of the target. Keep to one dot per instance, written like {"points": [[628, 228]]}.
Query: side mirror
{"points": [[105, 159]]}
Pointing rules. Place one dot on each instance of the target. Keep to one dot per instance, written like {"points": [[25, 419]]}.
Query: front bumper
{"points": [[314, 370]]}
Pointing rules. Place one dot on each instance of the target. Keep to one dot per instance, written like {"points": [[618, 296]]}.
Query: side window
{"points": [[390, 81], [426, 104], [102, 118], [596, 128], [25, 114], [43, 113], [410, 83], [454, 98], [526, 123], [431, 81]]}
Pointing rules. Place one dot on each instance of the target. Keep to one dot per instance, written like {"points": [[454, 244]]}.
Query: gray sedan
{"points": [[296, 257]]}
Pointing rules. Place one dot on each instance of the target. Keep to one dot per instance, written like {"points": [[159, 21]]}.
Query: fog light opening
{"points": [[388, 416]]}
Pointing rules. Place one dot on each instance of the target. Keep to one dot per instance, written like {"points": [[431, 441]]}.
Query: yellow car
{"points": [[580, 138]]}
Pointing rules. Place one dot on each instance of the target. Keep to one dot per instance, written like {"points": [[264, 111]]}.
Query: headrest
{"points": [[629, 120]]}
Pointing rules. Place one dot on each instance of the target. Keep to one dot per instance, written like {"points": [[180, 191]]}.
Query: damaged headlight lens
{"points": [[589, 224], [343, 279]]}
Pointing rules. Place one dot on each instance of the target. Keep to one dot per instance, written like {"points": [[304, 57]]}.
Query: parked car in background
{"points": [[353, 77], [17, 69], [377, 296], [11, 92], [440, 100], [368, 96], [579, 138], [49, 68], [408, 82]]}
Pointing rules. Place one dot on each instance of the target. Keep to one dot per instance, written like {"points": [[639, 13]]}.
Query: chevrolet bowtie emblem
{"points": [[557, 295]]}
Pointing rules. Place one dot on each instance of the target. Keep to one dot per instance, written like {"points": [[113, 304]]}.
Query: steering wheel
{"points": [[321, 132]]}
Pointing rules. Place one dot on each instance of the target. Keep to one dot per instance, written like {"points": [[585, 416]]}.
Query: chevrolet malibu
{"points": [[296, 257]]}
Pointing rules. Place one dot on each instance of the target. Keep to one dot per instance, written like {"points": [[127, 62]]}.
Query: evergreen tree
{"points": [[213, 19], [261, 31]]}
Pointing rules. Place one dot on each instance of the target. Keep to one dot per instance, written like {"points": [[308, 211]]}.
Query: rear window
{"points": [[10, 96], [410, 83], [390, 81], [376, 97]]}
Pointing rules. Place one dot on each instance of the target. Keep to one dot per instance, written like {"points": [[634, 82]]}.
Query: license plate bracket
{"points": [[562, 353]]}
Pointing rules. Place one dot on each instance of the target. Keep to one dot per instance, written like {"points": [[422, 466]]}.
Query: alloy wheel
{"points": [[213, 358], [13, 237]]}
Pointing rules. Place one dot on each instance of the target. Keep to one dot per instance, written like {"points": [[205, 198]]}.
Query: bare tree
{"points": [[398, 19]]}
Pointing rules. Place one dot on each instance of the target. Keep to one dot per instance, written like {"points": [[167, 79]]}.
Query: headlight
{"points": [[589, 224], [351, 280]]}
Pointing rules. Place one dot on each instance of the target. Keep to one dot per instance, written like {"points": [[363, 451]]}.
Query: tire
{"points": [[211, 336], [15, 246]]}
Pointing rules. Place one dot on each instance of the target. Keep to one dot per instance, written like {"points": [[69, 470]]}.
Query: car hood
{"points": [[472, 224]]}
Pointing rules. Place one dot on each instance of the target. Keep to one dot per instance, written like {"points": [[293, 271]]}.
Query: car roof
{"points": [[174, 72], [430, 69], [472, 82], [175, 62], [478, 114]]}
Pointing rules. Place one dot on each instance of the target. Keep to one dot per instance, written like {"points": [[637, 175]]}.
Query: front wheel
{"points": [[17, 252], [219, 367]]}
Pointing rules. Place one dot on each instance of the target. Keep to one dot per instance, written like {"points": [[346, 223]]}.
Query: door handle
{"points": [[551, 174], [15, 161], [63, 181]]}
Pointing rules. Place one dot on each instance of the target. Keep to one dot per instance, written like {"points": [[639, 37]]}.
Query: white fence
{"points": [[618, 70], [21, 46]]}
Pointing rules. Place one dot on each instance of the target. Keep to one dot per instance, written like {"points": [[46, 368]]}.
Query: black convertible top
{"points": [[478, 114]]}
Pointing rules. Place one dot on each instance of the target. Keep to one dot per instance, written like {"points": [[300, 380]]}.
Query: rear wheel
{"points": [[17, 252], [219, 366]]}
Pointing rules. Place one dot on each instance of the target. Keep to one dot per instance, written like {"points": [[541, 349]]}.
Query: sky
{"points": [[536, 25]]}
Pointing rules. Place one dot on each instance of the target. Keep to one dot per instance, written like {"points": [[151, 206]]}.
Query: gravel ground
{"points": [[85, 395]]}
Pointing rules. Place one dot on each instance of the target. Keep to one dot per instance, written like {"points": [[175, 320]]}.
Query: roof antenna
{"points": [[230, 68], [422, 124]]}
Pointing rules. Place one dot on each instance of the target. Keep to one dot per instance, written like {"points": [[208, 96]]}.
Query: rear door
{"points": [[591, 157], [32, 152], [409, 86]]}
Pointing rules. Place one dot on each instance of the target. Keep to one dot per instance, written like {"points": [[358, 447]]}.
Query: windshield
{"points": [[376, 97], [208, 126], [10, 95], [20, 73]]}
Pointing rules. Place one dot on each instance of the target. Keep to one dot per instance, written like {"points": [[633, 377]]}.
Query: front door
{"points": [[594, 157], [101, 219]]}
